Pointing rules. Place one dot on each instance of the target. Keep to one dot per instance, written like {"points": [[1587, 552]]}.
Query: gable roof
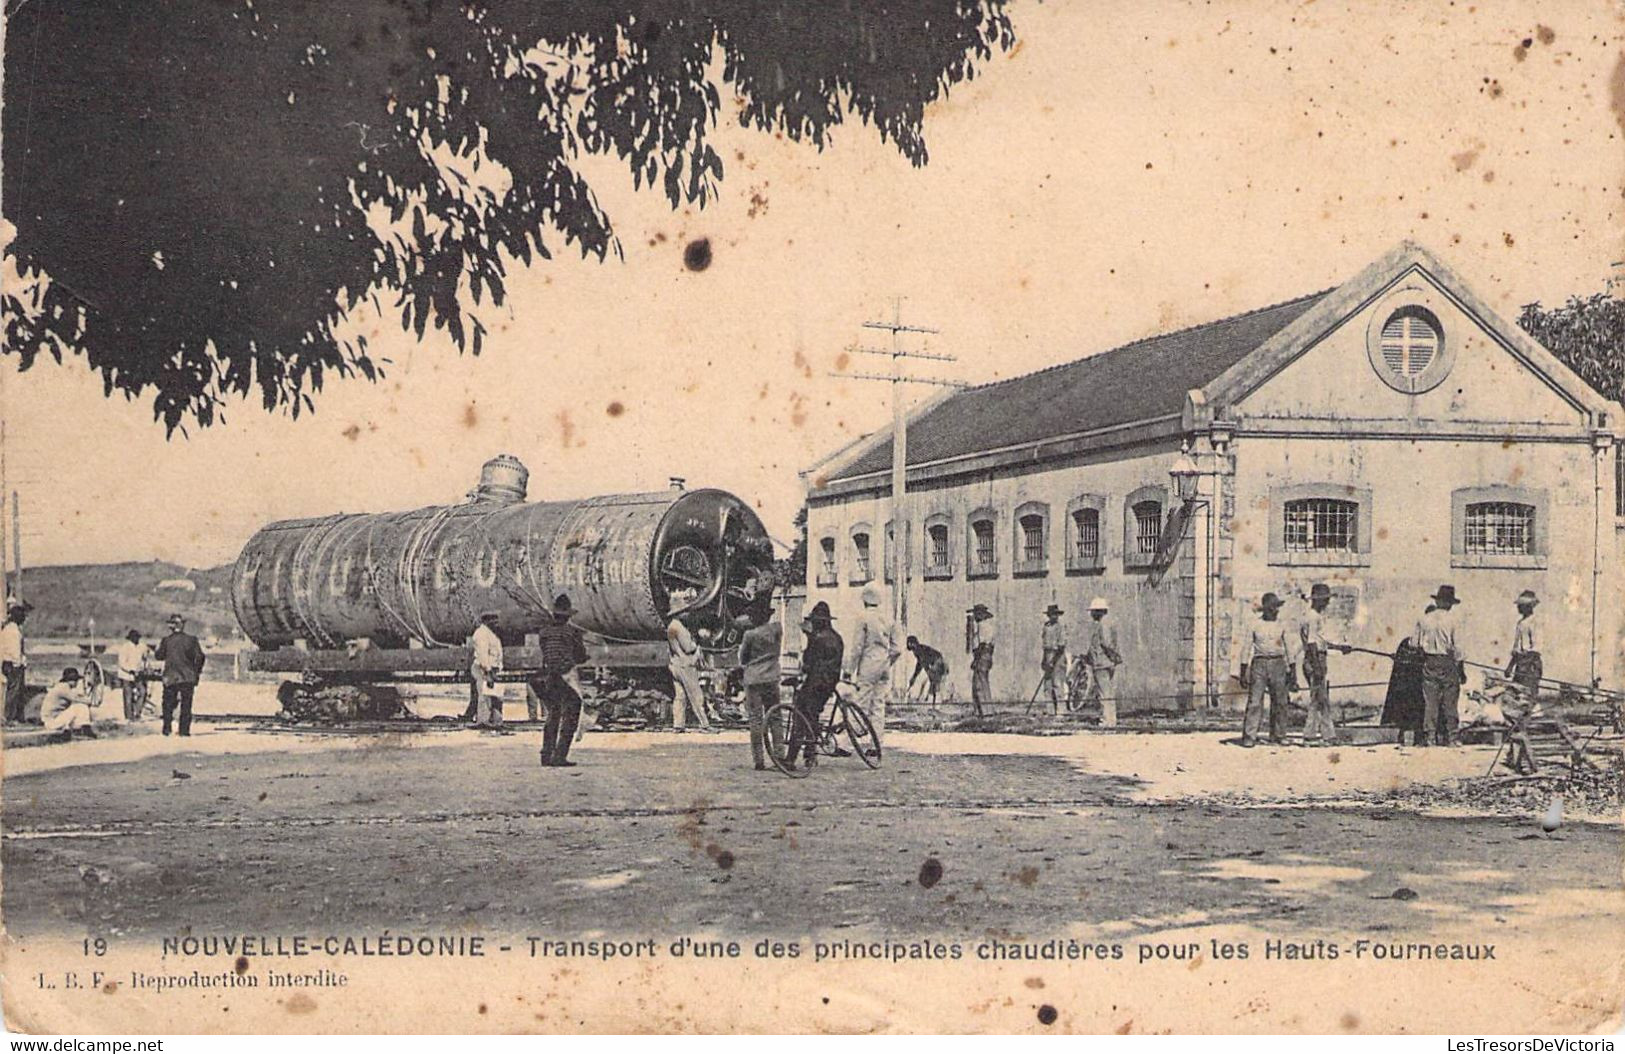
{"points": [[1155, 380], [1141, 381]]}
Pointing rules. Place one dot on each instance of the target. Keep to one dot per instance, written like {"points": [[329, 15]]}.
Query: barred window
{"points": [[937, 535], [1032, 539], [1499, 528], [860, 557], [826, 567], [1147, 527], [1086, 536], [986, 555], [1321, 525], [1410, 341]]}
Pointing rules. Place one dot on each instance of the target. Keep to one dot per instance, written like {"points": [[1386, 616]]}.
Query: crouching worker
{"points": [[67, 705], [562, 651]]}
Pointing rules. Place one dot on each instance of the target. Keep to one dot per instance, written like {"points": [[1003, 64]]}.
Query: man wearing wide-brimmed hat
{"points": [[980, 638], [562, 650], [183, 659], [14, 659], [1524, 666], [67, 705], [820, 672], [1319, 727], [1442, 673], [1052, 664], [484, 667], [1101, 657], [1269, 663]]}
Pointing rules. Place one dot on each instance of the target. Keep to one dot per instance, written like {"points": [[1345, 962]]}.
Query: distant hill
{"points": [[119, 596]]}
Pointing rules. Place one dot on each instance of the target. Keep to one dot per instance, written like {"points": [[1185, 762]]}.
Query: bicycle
{"points": [[787, 727]]}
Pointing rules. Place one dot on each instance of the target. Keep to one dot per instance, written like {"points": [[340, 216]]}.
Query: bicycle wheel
{"points": [[865, 743], [786, 726]]}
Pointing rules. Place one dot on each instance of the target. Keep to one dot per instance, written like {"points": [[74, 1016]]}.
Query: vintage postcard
{"points": [[722, 516]]}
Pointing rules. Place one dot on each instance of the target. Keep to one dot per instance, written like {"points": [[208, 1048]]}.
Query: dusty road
{"points": [[662, 833]]}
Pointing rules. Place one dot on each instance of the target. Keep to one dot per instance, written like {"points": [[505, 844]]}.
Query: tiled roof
{"points": [[1136, 382]]}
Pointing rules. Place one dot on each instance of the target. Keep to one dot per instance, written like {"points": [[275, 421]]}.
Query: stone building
{"points": [[1384, 437]]}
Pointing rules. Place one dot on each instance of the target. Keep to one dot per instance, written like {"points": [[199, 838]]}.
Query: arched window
{"points": [[1031, 540], [1142, 526], [862, 567], [938, 556], [1085, 547], [983, 557], [827, 571]]}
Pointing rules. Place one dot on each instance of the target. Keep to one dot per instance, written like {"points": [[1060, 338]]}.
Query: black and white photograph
{"points": [[721, 517]]}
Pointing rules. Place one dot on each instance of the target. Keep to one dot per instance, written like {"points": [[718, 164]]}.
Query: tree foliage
{"points": [[1588, 335], [209, 187]]}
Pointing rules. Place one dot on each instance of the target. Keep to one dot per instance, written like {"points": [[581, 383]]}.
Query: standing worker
{"points": [[132, 663], [820, 673], [183, 661], [981, 636], [1269, 662], [683, 662], [562, 651], [1442, 669], [1103, 659], [874, 652], [1053, 664], [14, 660], [1319, 729], [759, 655], [1525, 667], [484, 668], [929, 661]]}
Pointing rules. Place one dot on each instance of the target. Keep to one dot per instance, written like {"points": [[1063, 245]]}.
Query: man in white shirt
{"points": [[1102, 658], [1052, 664], [487, 663], [132, 663], [14, 660], [1269, 662], [874, 649], [67, 705], [1319, 728], [1442, 674], [683, 661]]}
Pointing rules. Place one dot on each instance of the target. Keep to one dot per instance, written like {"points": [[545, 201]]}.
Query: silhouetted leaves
{"points": [[1588, 334], [208, 186]]}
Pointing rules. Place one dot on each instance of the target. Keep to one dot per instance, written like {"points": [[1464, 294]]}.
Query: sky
{"points": [[1131, 168]]}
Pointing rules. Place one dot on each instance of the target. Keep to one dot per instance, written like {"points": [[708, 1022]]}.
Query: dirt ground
{"points": [[145, 837]]}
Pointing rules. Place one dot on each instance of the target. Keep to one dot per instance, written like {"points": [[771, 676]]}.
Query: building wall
{"points": [[1329, 417], [1144, 606], [1411, 550]]}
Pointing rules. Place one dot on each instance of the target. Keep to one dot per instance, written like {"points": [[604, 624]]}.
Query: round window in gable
{"points": [[1410, 341], [1407, 346]]}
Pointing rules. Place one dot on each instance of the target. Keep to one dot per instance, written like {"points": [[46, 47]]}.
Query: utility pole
{"points": [[900, 546]]}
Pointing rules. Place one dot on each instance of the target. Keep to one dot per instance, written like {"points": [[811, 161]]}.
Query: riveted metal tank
{"points": [[426, 575]]}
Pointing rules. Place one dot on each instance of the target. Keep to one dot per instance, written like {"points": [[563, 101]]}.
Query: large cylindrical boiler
{"points": [[427, 574]]}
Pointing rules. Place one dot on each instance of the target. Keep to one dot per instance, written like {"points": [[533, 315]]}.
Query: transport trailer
{"points": [[394, 597]]}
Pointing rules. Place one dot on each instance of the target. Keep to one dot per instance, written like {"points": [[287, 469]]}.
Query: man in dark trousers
{"points": [[820, 673], [14, 660], [182, 659], [562, 651], [1442, 673]]}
